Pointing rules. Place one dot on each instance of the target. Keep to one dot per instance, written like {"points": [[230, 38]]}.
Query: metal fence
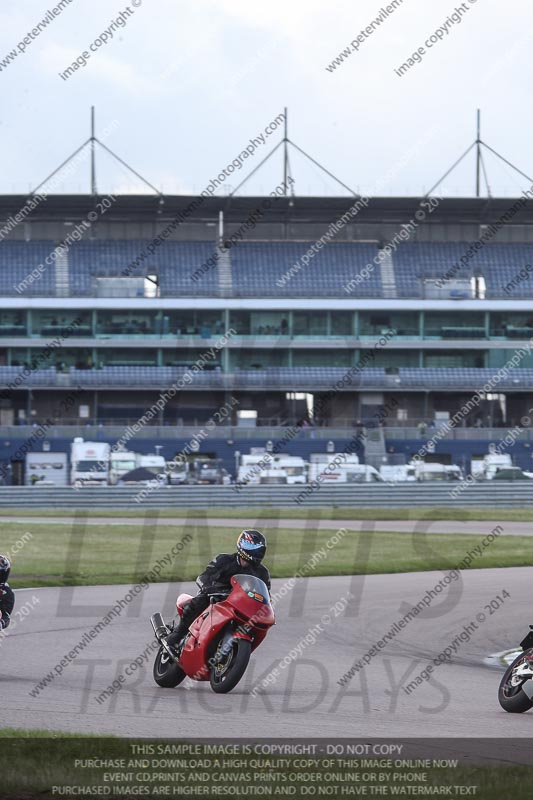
{"points": [[114, 431], [492, 494]]}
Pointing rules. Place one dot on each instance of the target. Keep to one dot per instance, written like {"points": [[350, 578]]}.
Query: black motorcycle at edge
{"points": [[516, 687]]}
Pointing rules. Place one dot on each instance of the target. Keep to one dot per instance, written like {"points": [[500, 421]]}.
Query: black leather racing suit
{"points": [[7, 602], [216, 576]]}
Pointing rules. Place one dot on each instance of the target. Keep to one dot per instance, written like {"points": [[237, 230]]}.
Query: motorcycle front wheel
{"points": [[510, 693], [226, 674], [166, 672]]}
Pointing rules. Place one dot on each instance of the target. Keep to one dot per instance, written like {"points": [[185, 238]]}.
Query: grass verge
{"points": [[66, 555]]}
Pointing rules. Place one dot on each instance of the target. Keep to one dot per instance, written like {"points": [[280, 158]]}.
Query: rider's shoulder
{"points": [[221, 557]]}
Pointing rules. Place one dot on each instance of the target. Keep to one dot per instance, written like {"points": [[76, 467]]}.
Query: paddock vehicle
{"points": [[89, 463], [271, 468], [341, 468]]}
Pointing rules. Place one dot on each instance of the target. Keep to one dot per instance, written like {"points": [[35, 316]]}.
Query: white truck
{"points": [[341, 468], [398, 473], [155, 464], [433, 471], [486, 468], [420, 471], [204, 470], [121, 462], [264, 468], [89, 463], [177, 472]]}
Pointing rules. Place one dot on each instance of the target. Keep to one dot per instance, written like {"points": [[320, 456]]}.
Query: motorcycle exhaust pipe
{"points": [[158, 624]]}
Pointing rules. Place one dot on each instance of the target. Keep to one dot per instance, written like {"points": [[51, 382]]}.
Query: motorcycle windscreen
{"points": [[254, 587]]}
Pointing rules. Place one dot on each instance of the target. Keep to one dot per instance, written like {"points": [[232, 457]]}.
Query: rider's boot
{"points": [[174, 638]]}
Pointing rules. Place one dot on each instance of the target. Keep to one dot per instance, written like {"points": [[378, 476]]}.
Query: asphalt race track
{"points": [[304, 699], [473, 527]]}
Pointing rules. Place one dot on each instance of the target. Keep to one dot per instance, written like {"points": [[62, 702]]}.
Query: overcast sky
{"points": [[187, 85]]}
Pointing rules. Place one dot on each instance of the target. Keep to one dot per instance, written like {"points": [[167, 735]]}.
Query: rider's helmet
{"points": [[5, 566], [252, 546]]}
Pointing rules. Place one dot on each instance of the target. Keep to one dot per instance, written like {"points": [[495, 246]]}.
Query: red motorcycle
{"points": [[220, 641]]}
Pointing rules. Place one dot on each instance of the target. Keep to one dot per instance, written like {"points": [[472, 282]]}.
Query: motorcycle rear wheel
{"points": [[226, 675], [513, 698], [166, 672]]}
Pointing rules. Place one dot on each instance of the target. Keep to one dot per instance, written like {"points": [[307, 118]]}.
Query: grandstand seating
{"points": [[500, 264], [414, 261], [19, 378], [18, 259], [461, 378], [174, 262], [497, 263], [315, 378], [258, 268]]}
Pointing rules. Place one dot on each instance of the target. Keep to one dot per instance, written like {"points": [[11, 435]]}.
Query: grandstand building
{"points": [[407, 305]]}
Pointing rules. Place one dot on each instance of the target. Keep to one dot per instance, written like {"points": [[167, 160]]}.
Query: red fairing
{"points": [[251, 614], [195, 655], [181, 601]]}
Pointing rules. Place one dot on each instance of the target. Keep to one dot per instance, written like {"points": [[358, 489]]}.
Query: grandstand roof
{"points": [[138, 208]]}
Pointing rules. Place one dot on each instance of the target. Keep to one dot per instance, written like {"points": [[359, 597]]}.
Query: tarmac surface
{"points": [[405, 526], [324, 625]]}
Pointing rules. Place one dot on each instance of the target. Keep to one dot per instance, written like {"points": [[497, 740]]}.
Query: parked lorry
{"points": [[335, 468], [433, 471], [177, 472], [489, 465], [262, 467], [420, 471], [89, 463], [155, 463], [203, 470], [398, 473], [121, 462]]}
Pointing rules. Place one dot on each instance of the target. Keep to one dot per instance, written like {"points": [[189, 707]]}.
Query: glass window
{"points": [[59, 322], [126, 323], [13, 323], [375, 323], [60, 358], [260, 323], [322, 358], [389, 358], [115, 357], [258, 359], [18, 356], [240, 322], [454, 325], [342, 323], [197, 322], [512, 326], [499, 358], [310, 323], [188, 357], [79, 357], [455, 358]]}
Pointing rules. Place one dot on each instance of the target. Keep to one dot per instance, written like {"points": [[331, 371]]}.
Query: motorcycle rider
{"points": [[7, 597], [251, 549]]}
